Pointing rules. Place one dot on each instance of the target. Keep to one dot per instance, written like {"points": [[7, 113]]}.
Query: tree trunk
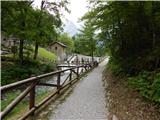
{"points": [[21, 52], [36, 51]]}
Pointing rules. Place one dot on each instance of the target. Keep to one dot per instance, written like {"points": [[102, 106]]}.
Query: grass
{"points": [[23, 106], [43, 53], [12, 72]]}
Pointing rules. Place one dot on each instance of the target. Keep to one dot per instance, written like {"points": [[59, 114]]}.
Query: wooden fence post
{"points": [[70, 77], [58, 81], [82, 70], [32, 99], [77, 72]]}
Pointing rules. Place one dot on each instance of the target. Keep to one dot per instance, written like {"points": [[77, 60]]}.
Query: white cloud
{"points": [[78, 9]]}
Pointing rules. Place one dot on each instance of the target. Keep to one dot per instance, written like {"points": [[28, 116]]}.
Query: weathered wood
{"points": [[70, 77], [10, 107], [65, 80], [35, 81], [26, 115], [32, 79], [58, 81], [32, 99], [66, 66], [16, 84], [47, 84], [77, 73], [74, 71]]}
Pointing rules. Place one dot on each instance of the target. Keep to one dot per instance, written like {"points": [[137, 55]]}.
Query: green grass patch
{"points": [[12, 72], [43, 53], [22, 107]]}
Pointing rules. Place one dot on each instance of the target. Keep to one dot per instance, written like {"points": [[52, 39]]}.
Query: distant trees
{"points": [[38, 26], [87, 42], [67, 40], [131, 31]]}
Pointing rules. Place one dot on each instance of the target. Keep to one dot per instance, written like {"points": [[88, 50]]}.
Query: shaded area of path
{"points": [[87, 100]]}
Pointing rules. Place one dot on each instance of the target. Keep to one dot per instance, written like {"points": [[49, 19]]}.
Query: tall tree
{"points": [[131, 31], [15, 21], [54, 8], [87, 40]]}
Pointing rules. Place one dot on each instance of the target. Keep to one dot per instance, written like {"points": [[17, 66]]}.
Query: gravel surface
{"points": [[86, 101]]}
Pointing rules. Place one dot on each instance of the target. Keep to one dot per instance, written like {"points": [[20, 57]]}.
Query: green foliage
{"points": [[147, 84], [43, 53], [14, 49], [23, 105], [10, 98], [86, 41], [130, 30], [115, 67], [12, 72], [67, 40], [30, 25]]}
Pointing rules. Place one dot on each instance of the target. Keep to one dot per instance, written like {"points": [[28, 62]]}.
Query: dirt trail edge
{"points": [[125, 103]]}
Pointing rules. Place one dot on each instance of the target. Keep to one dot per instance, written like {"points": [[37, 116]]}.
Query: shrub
{"points": [[148, 88], [12, 72]]}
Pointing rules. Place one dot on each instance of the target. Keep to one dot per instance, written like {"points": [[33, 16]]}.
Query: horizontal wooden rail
{"points": [[29, 80], [35, 81], [47, 84]]}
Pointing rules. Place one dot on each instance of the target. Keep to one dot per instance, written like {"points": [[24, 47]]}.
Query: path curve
{"points": [[87, 100]]}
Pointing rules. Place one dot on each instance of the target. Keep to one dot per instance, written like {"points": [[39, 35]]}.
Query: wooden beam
{"points": [[47, 84]]}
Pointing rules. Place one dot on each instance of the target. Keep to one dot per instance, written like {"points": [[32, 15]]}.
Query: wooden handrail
{"points": [[33, 81], [28, 80]]}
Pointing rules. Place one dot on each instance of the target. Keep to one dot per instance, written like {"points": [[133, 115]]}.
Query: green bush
{"points": [[12, 72], [115, 67], [147, 84]]}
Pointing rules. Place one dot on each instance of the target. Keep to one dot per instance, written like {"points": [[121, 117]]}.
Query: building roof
{"points": [[63, 45]]}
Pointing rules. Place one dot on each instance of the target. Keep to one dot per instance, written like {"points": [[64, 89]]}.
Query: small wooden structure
{"points": [[59, 49]]}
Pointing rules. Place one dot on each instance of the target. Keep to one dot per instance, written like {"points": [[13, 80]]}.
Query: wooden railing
{"points": [[32, 82]]}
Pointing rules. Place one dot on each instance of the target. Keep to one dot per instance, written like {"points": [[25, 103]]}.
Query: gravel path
{"points": [[87, 101]]}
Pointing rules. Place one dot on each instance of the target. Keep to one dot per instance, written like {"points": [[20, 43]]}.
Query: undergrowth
{"points": [[13, 72], [146, 82], [148, 85]]}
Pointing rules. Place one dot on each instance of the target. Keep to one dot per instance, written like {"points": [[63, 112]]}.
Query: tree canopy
{"points": [[67, 40], [31, 25], [130, 30]]}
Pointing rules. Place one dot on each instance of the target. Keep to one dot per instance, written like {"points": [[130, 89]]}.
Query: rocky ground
{"points": [[125, 103]]}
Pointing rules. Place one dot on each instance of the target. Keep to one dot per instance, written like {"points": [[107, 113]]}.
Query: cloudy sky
{"points": [[78, 9]]}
